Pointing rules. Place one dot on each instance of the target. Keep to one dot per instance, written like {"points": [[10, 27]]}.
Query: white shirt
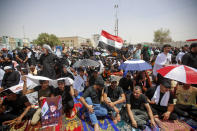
{"points": [[2, 72], [160, 61], [137, 54], [179, 56], [29, 54], [79, 83]]}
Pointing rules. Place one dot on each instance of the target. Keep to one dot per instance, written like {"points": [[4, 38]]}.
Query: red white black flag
{"points": [[110, 42]]}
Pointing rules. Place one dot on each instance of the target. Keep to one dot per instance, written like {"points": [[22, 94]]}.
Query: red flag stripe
{"points": [[190, 78], [111, 37], [192, 40]]}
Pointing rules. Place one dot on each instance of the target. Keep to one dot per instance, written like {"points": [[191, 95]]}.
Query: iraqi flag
{"points": [[110, 42]]}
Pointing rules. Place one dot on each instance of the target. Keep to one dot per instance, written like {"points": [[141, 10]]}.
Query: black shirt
{"points": [[17, 106], [136, 103], [93, 94], [58, 92], [143, 83], [93, 79], [22, 55], [113, 94], [67, 75], [151, 91], [126, 54], [190, 59], [66, 96], [48, 62], [10, 79], [126, 83], [146, 55], [45, 93]]}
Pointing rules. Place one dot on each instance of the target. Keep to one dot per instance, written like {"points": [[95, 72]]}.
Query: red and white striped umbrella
{"points": [[181, 73]]}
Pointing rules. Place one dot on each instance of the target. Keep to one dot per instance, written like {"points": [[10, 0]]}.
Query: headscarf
{"points": [[48, 48]]}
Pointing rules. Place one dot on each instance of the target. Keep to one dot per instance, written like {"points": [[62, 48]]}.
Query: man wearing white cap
{"points": [[47, 60], [10, 78]]}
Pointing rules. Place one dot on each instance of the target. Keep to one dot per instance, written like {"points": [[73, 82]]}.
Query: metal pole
{"points": [[116, 19]]}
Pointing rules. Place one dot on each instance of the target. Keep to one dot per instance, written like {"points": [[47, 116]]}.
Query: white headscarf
{"points": [[48, 48]]}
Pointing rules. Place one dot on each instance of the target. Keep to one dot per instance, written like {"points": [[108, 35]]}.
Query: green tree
{"points": [[162, 36], [45, 38]]}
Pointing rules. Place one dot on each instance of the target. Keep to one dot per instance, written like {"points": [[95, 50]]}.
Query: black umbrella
{"points": [[86, 63]]}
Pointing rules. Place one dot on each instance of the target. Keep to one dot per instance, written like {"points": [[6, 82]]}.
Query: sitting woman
{"points": [[142, 79]]}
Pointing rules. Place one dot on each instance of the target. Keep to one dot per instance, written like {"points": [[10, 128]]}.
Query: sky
{"points": [[138, 19]]}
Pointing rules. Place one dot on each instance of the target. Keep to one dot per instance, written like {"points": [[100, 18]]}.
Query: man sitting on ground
{"points": [[186, 101], [136, 104], [114, 98], [10, 78], [67, 93], [126, 83], [91, 99], [14, 108], [161, 100], [44, 90]]}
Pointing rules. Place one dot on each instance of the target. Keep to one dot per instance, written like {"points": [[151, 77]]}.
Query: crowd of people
{"points": [[133, 96]]}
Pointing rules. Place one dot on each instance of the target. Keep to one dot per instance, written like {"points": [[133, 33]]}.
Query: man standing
{"points": [[136, 104], [181, 54], [22, 57], [190, 58], [114, 98], [91, 99], [137, 52], [145, 53], [163, 59], [47, 60], [125, 54]]}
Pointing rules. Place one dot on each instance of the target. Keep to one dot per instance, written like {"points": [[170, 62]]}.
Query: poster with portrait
{"points": [[51, 111]]}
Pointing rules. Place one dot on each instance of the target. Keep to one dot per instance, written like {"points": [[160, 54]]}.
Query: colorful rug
{"points": [[175, 125], [74, 123]]}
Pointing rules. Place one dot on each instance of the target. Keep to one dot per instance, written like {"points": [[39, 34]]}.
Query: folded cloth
{"points": [[165, 98]]}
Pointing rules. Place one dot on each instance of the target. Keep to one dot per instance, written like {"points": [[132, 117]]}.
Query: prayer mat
{"points": [[104, 125], [38, 127], [73, 123], [190, 122], [123, 126], [175, 125], [21, 127]]}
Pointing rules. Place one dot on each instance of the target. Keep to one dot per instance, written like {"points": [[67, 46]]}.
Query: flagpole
{"points": [[116, 19]]}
